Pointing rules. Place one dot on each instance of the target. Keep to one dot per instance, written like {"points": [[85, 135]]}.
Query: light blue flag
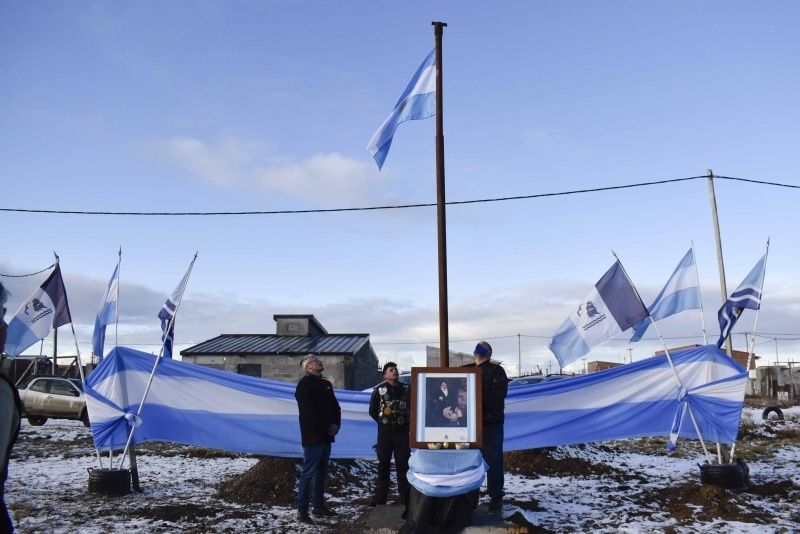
{"points": [[106, 315], [680, 293], [611, 308], [746, 296], [418, 101], [46, 309]]}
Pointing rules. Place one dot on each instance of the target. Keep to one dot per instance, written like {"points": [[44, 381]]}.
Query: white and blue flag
{"points": [[682, 292], [746, 296], [106, 315], [46, 309], [418, 101], [167, 314], [611, 308]]}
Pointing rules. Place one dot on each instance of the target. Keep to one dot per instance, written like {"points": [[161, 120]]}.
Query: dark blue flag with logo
{"points": [[746, 296]]}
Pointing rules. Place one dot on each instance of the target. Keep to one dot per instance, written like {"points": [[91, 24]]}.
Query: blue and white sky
{"points": [[212, 106]]}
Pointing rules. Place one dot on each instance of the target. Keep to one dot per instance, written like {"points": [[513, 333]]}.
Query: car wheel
{"points": [[772, 409], [85, 419], [37, 421]]}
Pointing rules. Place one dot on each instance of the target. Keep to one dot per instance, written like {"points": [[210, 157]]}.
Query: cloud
{"points": [[331, 180]]}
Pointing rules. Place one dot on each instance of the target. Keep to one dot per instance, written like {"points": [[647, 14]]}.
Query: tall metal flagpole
{"points": [[116, 308], [700, 296], [155, 365], [444, 335], [669, 358]]}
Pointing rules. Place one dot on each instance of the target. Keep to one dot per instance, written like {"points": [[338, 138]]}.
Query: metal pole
{"points": [[722, 285], [444, 335]]}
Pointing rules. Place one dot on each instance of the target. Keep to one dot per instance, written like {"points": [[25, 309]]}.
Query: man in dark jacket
{"points": [[390, 407], [10, 414], [320, 419], [494, 386]]}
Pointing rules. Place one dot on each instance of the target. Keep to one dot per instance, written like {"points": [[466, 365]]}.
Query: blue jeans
{"points": [[492, 451], [315, 466]]}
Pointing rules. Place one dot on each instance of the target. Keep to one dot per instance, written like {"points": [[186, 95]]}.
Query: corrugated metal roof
{"points": [[275, 344]]}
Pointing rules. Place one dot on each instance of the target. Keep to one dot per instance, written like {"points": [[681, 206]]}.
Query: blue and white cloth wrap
{"points": [[446, 473]]}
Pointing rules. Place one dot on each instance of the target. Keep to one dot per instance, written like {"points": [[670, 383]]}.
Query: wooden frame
{"points": [[437, 418]]}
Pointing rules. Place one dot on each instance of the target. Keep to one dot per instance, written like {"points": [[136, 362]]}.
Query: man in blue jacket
{"points": [[320, 419]]}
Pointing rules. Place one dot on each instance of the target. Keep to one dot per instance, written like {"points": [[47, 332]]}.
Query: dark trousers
{"points": [[392, 442], [492, 451]]}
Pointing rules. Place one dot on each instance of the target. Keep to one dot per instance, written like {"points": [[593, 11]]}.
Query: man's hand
{"points": [[333, 430]]}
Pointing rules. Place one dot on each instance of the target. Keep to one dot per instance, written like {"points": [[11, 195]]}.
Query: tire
{"points": [[728, 476], [772, 409], [85, 419], [37, 421]]}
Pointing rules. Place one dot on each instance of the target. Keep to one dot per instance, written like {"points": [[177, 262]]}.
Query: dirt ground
{"points": [[592, 487]]}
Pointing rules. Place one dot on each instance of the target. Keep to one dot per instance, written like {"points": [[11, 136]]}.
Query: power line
{"points": [[374, 208]]}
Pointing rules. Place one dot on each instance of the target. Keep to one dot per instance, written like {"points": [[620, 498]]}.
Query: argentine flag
{"points": [[418, 101], [106, 315], [46, 309], [611, 308], [682, 292]]}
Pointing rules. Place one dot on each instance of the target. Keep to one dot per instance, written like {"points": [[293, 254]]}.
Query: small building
{"points": [[595, 366], [349, 359], [456, 359]]}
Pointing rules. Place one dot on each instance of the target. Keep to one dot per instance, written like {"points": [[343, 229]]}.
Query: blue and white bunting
{"points": [[106, 315], [611, 308], [680, 293], [418, 101], [195, 405], [46, 309], [746, 296]]}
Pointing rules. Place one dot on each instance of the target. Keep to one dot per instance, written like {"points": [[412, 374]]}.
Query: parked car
{"points": [[53, 397], [404, 378], [534, 379]]}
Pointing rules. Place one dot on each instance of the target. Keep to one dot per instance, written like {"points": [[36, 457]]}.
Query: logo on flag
{"points": [[612, 307], [27, 326]]}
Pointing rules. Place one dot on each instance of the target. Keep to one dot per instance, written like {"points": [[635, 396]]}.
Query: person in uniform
{"points": [[390, 407]]}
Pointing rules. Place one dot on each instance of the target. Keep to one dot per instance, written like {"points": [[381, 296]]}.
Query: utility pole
{"points": [[519, 355], [722, 285], [630, 355]]}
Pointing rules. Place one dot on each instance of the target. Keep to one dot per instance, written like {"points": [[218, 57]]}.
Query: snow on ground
{"points": [[627, 486]]}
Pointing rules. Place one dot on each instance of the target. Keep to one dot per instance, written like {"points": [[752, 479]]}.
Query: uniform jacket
{"points": [[318, 409], [390, 407], [494, 386]]}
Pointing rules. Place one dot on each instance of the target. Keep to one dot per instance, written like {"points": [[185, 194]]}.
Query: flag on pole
{"points": [[106, 315], [167, 314], [746, 296], [418, 101], [611, 308], [46, 309], [681, 292]]}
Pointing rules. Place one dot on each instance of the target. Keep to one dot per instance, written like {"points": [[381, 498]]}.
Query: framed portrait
{"points": [[446, 406]]}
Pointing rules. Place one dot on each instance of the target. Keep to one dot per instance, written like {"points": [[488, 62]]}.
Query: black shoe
{"points": [[304, 518], [495, 504], [323, 512]]}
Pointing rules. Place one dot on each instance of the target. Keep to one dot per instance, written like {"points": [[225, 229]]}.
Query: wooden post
{"points": [[444, 330]]}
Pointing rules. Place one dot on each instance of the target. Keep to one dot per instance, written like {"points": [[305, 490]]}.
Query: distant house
{"points": [[593, 367], [456, 359], [739, 356], [349, 359]]}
